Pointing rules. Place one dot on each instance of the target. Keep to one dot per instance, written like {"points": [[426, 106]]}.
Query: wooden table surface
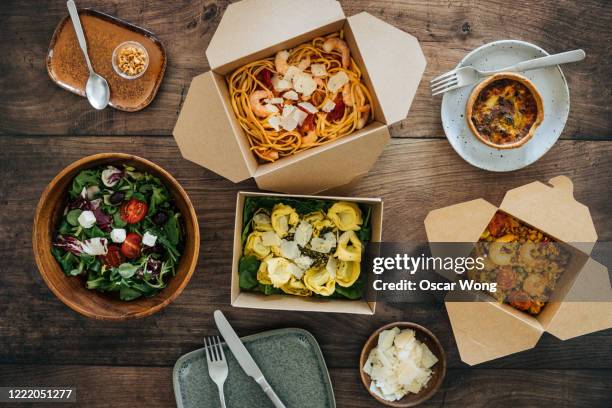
{"points": [[129, 364]]}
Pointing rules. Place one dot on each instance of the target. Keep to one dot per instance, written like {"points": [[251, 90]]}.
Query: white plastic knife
{"points": [[244, 358]]}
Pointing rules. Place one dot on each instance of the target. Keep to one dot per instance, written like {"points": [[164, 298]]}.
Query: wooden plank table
{"points": [[129, 364]]}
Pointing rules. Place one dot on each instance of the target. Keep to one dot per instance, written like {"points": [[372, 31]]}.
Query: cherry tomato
{"points": [[133, 211], [520, 300], [113, 257], [131, 246], [506, 278]]}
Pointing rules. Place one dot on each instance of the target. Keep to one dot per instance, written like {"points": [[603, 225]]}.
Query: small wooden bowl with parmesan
{"points": [[402, 364]]}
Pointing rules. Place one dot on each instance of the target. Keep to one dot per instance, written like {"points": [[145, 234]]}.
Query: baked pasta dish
{"points": [[504, 111], [524, 262], [304, 247], [300, 98]]}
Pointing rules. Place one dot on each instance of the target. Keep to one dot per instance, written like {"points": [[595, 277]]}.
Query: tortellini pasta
{"points": [[296, 287], [306, 254], [349, 247], [254, 246], [347, 273], [283, 217], [346, 216], [320, 281]]}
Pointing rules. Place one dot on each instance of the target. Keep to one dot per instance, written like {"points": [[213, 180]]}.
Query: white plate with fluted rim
{"points": [[551, 84]]}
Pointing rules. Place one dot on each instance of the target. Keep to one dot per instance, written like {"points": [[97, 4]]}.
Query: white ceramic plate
{"points": [[552, 86]]}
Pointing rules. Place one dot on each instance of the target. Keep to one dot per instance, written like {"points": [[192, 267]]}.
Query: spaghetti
{"points": [[301, 98]]}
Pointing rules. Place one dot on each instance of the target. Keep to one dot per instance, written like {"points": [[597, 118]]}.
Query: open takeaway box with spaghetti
{"points": [[209, 133], [486, 329], [363, 304]]}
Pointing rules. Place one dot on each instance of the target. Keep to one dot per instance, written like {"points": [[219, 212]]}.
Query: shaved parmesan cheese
{"points": [[291, 95], [329, 106], [274, 101], [400, 364], [292, 71], [275, 122], [303, 233], [318, 70], [308, 107], [289, 123], [337, 81], [325, 244], [303, 261], [299, 115], [331, 266], [271, 108], [304, 84], [269, 238], [280, 84], [288, 110], [289, 249]]}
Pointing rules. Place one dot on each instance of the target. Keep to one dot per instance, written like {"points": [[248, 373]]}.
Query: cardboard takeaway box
{"points": [[255, 300], [485, 329], [208, 133]]}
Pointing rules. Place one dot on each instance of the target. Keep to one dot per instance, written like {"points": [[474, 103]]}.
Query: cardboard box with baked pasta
{"points": [[209, 133], [486, 330]]}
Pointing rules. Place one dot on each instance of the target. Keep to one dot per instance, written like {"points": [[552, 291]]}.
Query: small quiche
{"points": [[504, 110]]}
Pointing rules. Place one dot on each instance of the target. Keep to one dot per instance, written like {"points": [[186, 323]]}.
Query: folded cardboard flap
{"points": [[462, 222], [250, 26], [394, 63], [487, 330], [554, 211], [575, 315], [204, 131], [326, 166]]}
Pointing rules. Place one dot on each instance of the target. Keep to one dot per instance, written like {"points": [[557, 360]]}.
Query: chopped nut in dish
{"points": [[131, 60]]}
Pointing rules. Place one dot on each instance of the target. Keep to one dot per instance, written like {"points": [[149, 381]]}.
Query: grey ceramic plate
{"points": [[552, 86], [290, 359]]}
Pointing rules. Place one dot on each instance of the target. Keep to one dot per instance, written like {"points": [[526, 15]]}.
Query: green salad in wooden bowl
{"points": [[121, 231]]}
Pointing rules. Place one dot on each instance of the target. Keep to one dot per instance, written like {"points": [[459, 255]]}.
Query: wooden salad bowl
{"points": [[72, 290], [439, 369]]}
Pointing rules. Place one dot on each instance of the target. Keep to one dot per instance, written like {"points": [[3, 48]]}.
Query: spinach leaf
{"points": [[173, 229], [247, 272], [128, 293], [365, 233], [127, 270], [85, 179], [271, 290], [73, 217], [356, 290], [117, 221], [159, 195]]}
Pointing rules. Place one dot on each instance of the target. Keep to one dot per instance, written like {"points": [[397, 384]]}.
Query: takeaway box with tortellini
{"points": [[299, 96], [297, 252]]}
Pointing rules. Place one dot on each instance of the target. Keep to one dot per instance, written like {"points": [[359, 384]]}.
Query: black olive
{"points": [[160, 218], [116, 198]]}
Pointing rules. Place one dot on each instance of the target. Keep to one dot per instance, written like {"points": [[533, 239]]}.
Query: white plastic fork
{"points": [[464, 76], [217, 364]]}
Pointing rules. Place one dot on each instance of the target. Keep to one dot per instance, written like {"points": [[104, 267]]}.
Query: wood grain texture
{"points": [[31, 104], [413, 176], [151, 387]]}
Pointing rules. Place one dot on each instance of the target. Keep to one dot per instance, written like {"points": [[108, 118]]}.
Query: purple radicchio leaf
{"points": [[69, 244], [103, 220], [153, 267], [111, 176]]}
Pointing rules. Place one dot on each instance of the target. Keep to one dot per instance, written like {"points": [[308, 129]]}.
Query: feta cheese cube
{"points": [[149, 239], [291, 95], [304, 84], [337, 81], [275, 122], [328, 106], [318, 70], [292, 71], [280, 84], [308, 107], [87, 219], [117, 235]]}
